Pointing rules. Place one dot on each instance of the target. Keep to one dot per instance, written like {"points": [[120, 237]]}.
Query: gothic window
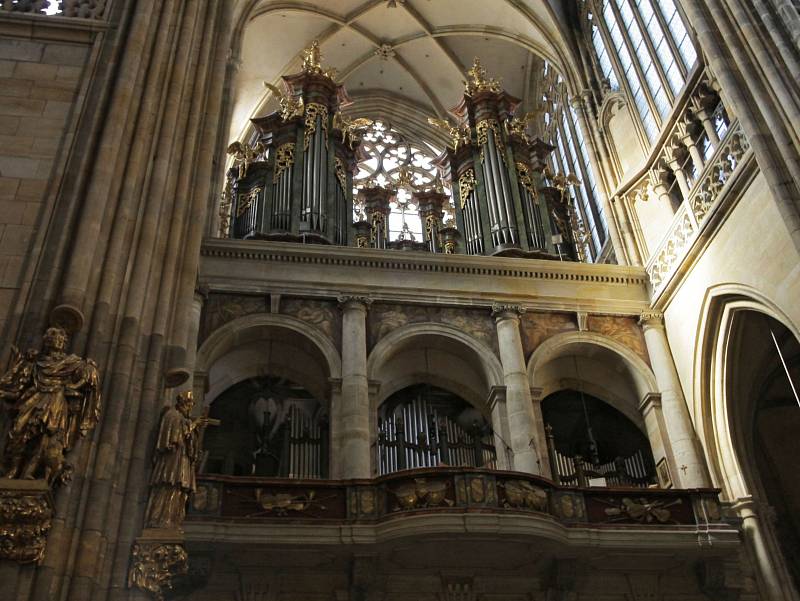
{"points": [[572, 157], [394, 162], [651, 49]]}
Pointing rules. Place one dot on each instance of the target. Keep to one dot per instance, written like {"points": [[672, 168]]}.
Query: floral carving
{"points": [[25, 520], [155, 565]]}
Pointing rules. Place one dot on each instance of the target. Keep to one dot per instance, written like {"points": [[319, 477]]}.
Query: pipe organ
{"points": [[504, 205], [421, 433], [294, 182]]}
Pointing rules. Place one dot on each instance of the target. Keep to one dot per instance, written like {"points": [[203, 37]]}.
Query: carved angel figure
{"points": [[243, 154], [291, 106], [458, 136], [518, 126], [351, 128], [53, 398], [177, 450]]}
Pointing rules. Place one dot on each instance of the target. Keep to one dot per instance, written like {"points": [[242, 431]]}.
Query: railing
{"points": [[446, 491], [82, 9], [624, 471]]}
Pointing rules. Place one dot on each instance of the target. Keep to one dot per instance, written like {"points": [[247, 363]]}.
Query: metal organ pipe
{"points": [[508, 203], [501, 219]]}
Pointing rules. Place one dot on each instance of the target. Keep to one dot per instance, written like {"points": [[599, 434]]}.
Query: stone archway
{"points": [[748, 416]]}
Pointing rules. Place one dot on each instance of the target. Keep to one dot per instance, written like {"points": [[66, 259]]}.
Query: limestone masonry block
{"points": [[36, 71], [18, 167], [21, 50], [65, 54]]}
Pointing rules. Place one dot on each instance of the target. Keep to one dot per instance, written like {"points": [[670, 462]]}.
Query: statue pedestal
{"points": [[157, 557], [26, 513]]}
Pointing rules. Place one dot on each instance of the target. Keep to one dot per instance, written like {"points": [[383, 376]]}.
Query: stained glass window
{"points": [[395, 162]]}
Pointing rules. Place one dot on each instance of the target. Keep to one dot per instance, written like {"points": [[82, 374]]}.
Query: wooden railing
{"points": [[446, 490]]}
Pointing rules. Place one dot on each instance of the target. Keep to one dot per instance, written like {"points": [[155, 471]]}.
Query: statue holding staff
{"points": [[52, 398]]}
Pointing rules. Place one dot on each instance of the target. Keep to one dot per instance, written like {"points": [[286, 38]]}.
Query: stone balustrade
{"points": [[448, 491], [82, 9], [687, 170], [692, 216]]}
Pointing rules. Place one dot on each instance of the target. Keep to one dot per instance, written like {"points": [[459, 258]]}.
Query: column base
{"points": [[157, 557], [26, 514]]}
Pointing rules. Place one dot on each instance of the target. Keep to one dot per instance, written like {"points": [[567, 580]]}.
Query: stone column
{"points": [[657, 432], [656, 177], [539, 435], [775, 579], [680, 175], [521, 420], [685, 135], [702, 114], [691, 471], [353, 416]]}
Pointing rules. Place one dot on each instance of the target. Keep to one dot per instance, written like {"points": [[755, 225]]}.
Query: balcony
{"points": [[450, 501]]}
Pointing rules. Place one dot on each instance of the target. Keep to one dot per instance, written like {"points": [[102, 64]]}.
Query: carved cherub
{"points": [[519, 125], [291, 106], [457, 135], [243, 154], [351, 128]]}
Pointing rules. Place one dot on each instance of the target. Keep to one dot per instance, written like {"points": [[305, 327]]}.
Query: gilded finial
{"points": [[478, 81]]}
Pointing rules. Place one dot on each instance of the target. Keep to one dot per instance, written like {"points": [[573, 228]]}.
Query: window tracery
{"points": [[392, 161], [645, 45], [562, 129]]}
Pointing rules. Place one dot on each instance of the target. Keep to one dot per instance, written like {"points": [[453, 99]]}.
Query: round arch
{"points": [[544, 370], [450, 340], [246, 335]]}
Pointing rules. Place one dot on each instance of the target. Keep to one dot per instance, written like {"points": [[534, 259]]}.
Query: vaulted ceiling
{"points": [[399, 62]]}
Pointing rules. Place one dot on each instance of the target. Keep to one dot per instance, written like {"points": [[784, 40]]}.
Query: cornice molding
{"points": [[272, 252]]}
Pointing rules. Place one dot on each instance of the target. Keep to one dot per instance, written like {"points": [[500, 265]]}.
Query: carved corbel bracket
{"points": [[157, 558], [26, 513]]}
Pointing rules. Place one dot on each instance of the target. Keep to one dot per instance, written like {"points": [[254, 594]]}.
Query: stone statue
{"points": [[53, 398], [177, 450]]}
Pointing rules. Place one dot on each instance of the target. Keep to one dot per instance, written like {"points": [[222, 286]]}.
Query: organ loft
{"points": [[361, 300]]}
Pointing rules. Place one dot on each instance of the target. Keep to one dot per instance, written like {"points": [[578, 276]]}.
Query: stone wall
{"points": [[40, 82]]}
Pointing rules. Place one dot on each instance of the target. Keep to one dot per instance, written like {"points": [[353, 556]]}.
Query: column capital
{"points": [[651, 319], [537, 394], [502, 311], [497, 394], [351, 301], [652, 400]]}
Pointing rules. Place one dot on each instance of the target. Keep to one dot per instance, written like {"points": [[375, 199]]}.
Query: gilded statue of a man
{"points": [[177, 450], [52, 398]]}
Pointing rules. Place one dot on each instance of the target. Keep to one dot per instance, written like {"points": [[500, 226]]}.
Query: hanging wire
{"points": [[783, 361], [593, 451]]}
